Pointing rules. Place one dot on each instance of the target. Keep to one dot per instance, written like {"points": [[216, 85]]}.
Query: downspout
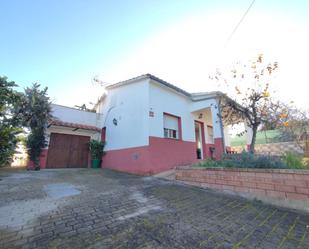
{"points": [[221, 125]]}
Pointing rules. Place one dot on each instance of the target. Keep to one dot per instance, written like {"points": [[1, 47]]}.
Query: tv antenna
{"points": [[97, 81]]}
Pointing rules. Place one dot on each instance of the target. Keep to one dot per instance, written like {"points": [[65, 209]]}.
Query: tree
{"points": [[293, 124], [37, 113], [10, 120], [250, 82]]}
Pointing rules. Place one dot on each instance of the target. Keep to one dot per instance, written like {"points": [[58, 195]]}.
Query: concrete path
{"points": [[84, 208], [168, 175]]}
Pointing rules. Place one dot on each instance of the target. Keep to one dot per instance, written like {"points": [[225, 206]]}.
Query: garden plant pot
{"points": [[95, 163]]}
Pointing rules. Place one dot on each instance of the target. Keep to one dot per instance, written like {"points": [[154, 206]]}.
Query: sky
{"points": [[63, 44]]}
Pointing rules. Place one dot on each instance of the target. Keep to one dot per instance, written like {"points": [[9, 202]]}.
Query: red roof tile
{"points": [[74, 125]]}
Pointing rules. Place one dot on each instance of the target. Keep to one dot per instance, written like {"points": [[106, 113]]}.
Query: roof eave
{"points": [[205, 96], [125, 82]]}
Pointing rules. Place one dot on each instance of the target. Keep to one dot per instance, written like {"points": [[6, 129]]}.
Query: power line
{"points": [[238, 24]]}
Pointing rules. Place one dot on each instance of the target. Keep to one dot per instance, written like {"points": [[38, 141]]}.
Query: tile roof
{"points": [[74, 125], [192, 96], [149, 76]]}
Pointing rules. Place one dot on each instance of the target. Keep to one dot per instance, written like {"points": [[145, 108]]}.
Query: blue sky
{"points": [[63, 44]]}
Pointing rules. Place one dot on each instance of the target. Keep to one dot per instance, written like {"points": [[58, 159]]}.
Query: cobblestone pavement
{"points": [[75, 208]]}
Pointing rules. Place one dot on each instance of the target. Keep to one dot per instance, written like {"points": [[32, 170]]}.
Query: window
{"points": [[169, 133], [171, 126]]}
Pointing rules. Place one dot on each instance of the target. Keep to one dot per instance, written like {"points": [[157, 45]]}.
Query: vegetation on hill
{"points": [[263, 137]]}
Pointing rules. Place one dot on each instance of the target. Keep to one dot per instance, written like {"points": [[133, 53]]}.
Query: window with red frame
{"points": [[171, 126]]}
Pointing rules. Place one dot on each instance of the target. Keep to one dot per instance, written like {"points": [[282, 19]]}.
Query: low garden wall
{"points": [[284, 187]]}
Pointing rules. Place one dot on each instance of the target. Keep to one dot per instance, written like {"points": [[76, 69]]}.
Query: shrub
{"points": [[292, 160], [36, 114], [10, 120], [8, 142], [209, 163], [306, 162], [264, 162], [35, 142], [246, 160], [96, 149], [249, 160]]}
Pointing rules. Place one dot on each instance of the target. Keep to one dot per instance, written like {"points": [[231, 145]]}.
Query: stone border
{"points": [[297, 171], [283, 187]]}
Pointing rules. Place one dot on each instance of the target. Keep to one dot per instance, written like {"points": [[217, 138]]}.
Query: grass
{"points": [[292, 160], [272, 136]]}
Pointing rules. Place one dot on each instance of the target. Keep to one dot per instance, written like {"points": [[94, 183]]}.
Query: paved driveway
{"points": [[102, 209]]}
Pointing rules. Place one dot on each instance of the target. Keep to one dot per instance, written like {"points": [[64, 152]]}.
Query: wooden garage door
{"points": [[67, 151]]}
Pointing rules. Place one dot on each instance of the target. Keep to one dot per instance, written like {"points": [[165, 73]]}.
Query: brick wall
{"points": [[271, 183]]}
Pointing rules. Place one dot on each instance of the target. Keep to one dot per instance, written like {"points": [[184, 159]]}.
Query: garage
{"points": [[67, 151]]}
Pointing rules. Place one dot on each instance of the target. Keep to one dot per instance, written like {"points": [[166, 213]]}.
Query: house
{"points": [[149, 126]]}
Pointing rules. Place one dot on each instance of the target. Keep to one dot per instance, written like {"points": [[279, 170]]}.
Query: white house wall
{"points": [[227, 136], [213, 105], [72, 115], [128, 106], [202, 104], [163, 100]]}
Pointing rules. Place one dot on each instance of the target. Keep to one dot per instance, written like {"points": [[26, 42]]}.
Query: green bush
{"points": [[36, 114], [246, 160], [8, 142], [96, 149], [10, 120], [292, 160], [209, 163]]}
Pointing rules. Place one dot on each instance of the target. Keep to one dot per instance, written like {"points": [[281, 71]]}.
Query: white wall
{"points": [[68, 114], [128, 104], [249, 133], [161, 100], [198, 106], [164, 100], [207, 119], [20, 157], [202, 104], [227, 136]]}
